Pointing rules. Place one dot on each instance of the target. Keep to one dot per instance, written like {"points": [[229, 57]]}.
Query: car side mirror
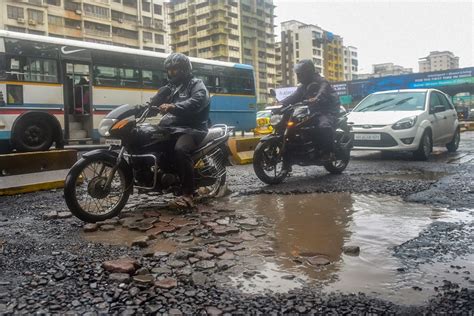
{"points": [[439, 108]]}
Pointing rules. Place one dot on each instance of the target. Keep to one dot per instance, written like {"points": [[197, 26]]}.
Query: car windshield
{"points": [[396, 101]]}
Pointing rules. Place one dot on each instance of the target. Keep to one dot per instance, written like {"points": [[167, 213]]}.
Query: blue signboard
{"points": [[359, 89]]}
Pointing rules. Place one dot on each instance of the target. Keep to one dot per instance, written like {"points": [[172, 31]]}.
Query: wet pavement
{"points": [[396, 231]]}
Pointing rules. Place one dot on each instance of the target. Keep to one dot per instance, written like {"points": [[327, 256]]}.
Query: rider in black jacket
{"points": [[188, 112], [322, 100]]}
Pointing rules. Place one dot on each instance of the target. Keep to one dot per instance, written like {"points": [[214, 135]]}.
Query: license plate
{"points": [[366, 136], [114, 142]]}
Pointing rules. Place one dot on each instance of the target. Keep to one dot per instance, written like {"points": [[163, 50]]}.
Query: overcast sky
{"points": [[398, 31]]}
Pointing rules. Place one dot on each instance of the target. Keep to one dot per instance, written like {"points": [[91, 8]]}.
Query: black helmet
{"points": [[304, 70], [182, 66]]}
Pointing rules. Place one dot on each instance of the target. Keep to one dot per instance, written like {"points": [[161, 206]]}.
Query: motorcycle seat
{"points": [[212, 133]]}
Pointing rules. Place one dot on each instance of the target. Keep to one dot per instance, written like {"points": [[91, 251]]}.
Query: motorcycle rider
{"points": [[322, 101], [187, 111]]}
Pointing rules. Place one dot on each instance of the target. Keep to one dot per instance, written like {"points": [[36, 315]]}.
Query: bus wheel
{"points": [[32, 133]]}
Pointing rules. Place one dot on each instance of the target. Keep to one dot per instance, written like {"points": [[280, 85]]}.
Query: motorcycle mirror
{"points": [[272, 93]]}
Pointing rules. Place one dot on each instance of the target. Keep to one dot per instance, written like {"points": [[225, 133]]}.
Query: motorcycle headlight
{"points": [[405, 123], [275, 119], [105, 125]]}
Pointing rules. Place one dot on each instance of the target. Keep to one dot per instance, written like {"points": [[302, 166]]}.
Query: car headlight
{"points": [[105, 125], [405, 123], [275, 119]]}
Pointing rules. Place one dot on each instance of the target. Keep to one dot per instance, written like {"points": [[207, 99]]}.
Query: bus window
{"points": [[154, 78], [20, 68], [129, 77], [14, 94], [105, 76]]}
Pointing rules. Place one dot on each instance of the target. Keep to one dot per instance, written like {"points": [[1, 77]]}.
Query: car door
{"points": [[450, 116], [436, 119]]}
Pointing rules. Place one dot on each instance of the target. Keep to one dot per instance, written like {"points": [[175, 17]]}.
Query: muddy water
{"points": [[425, 176], [318, 225]]}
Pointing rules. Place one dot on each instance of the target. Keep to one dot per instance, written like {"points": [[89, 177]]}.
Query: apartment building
{"points": [[386, 69], [326, 50], [138, 24], [227, 30], [351, 63], [436, 61]]}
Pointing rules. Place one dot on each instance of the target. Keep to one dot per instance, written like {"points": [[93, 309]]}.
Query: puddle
{"points": [[120, 236], [425, 176], [309, 225]]}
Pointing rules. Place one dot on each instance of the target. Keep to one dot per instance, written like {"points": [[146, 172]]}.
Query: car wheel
{"points": [[453, 145], [424, 149]]}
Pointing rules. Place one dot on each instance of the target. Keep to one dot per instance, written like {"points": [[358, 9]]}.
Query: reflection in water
{"points": [[320, 224], [418, 175]]}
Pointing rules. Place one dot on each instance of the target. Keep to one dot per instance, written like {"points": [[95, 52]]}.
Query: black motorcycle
{"points": [[98, 186], [291, 143]]}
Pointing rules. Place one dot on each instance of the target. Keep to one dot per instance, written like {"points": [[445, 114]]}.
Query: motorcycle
{"points": [[99, 185], [292, 143]]}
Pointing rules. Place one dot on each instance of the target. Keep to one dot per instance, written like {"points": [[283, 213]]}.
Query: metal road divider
{"points": [[34, 171], [242, 148]]}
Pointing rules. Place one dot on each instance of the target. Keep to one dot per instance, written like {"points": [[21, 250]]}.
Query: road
{"points": [[268, 249]]}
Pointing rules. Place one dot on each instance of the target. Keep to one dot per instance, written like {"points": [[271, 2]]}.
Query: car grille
{"points": [[386, 140]]}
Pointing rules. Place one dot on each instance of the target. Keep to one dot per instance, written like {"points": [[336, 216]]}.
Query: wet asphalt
{"points": [[47, 266]]}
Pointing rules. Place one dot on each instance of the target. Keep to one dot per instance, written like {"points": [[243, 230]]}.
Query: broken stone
{"points": [[216, 251], [123, 265], [318, 261], [203, 255], [160, 228], [144, 279], [227, 256], [183, 255], [257, 233], [110, 221], [147, 214], [213, 311], [161, 271], [199, 278], [184, 239], [144, 226], [90, 228], [236, 248], [351, 250], [119, 277], [205, 264], [51, 215], [141, 241], [193, 260], [225, 264], [63, 215], [248, 221], [246, 236], [166, 218], [160, 254], [176, 263], [166, 283], [181, 222]]}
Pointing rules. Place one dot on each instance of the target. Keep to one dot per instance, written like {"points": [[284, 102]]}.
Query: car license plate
{"points": [[366, 136], [114, 142]]}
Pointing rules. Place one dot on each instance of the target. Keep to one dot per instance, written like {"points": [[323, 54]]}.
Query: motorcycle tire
{"points": [[339, 165], [76, 178], [259, 161]]}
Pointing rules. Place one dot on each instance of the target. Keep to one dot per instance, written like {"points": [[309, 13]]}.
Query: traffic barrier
{"points": [[34, 171], [242, 148]]}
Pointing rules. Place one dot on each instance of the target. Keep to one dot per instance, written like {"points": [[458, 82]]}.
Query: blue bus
{"points": [[58, 90]]}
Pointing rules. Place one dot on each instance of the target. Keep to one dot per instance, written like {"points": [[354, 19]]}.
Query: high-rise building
{"points": [[227, 30], [132, 23], [307, 41], [351, 63], [438, 61], [386, 69], [278, 65]]}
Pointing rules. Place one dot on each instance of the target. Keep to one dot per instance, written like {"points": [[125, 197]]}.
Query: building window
{"points": [[71, 6], [146, 5], [55, 20], [296, 36], [35, 15], [54, 2], [96, 11], [159, 39], [16, 29], [124, 33], [147, 21], [15, 12], [148, 36], [72, 24], [158, 9], [130, 3]]}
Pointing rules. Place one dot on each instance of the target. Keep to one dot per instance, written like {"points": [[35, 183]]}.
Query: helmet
{"points": [[304, 70], [178, 66]]}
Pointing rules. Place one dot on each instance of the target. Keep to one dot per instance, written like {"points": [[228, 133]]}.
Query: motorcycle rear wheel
{"points": [[267, 158], [85, 194]]}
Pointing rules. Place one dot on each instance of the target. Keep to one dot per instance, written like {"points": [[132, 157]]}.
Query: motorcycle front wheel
{"points": [[85, 192], [268, 162], [339, 165]]}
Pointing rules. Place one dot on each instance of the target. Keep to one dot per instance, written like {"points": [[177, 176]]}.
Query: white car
{"points": [[405, 120]]}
